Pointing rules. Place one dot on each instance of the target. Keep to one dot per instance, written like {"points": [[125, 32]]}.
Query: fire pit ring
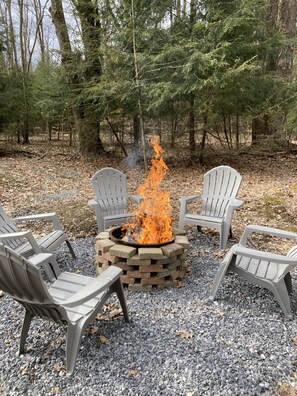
{"points": [[117, 235], [145, 267]]}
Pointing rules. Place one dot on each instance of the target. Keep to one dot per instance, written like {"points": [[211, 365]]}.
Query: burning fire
{"points": [[153, 223]]}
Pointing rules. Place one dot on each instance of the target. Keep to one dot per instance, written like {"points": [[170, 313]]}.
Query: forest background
{"points": [[104, 74], [83, 84]]}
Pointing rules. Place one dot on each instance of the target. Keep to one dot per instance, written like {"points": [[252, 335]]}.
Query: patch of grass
{"points": [[273, 208]]}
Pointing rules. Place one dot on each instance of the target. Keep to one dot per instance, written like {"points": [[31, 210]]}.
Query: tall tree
{"points": [[81, 69], [281, 20]]}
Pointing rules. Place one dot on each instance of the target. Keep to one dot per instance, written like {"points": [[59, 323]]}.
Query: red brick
{"points": [[103, 245], [123, 265], [135, 260], [150, 253], [164, 260], [173, 249], [152, 281], [139, 287], [137, 274], [151, 268], [182, 240], [112, 259], [122, 251], [166, 285], [165, 273], [126, 279], [102, 235]]}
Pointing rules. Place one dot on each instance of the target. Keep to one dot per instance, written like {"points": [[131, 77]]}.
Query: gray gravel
{"points": [[178, 343]]}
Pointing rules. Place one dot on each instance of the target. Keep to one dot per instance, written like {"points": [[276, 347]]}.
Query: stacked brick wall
{"points": [[144, 268]]}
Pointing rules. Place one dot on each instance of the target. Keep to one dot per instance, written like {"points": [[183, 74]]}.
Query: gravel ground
{"points": [[177, 343]]}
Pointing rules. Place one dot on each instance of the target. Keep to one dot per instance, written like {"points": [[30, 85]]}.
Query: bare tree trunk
{"points": [[203, 140], [24, 62], [237, 131], [86, 122], [192, 142], [38, 8], [143, 144]]}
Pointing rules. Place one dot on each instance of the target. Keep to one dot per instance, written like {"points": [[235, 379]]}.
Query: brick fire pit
{"points": [[144, 268]]}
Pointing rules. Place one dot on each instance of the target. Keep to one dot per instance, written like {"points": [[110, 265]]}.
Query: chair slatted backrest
{"points": [[23, 282], [109, 185], [7, 226], [220, 185]]}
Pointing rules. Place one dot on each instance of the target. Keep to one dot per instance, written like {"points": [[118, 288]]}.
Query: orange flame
{"points": [[153, 222]]}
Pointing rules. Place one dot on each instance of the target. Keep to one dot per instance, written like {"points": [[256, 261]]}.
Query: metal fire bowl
{"points": [[116, 235]]}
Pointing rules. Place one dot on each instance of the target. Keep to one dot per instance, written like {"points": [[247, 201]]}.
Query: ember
{"points": [[153, 222]]}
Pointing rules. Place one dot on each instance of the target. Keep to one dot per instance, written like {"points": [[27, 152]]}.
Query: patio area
{"points": [[178, 342]]}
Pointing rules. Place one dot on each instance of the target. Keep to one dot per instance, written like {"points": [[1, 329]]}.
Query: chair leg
{"points": [[223, 268], [70, 249], [282, 296], [74, 335], [118, 288], [223, 239], [288, 281], [25, 328]]}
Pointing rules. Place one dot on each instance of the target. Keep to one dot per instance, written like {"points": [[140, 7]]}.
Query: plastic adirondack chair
{"points": [[72, 299], [24, 243], [218, 202], [265, 269], [110, 204]]}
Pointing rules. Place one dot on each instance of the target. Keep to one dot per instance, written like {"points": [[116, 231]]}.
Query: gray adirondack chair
{"points": [[218, 202], [110, 204], [72, 299], [24, 243], [265, 269]]}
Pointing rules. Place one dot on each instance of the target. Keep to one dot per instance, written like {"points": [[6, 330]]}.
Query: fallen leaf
{"points": [[24, 370], [56, 390], [219, 254], [104, 339], [294, 340], [59, 367], [93, 330], [133, 373], [185, 334]]}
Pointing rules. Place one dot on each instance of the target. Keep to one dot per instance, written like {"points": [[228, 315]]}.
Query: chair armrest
{"points": [[236, 203], [49, 264], [265, 256], [98, 285], [43, 216], [184, 207], [92, 202], [22, 234], [188, 198], [251, 228], [231, 207]]}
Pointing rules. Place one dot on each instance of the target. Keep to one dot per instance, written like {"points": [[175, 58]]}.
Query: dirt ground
{"points": [[42, 178]]}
